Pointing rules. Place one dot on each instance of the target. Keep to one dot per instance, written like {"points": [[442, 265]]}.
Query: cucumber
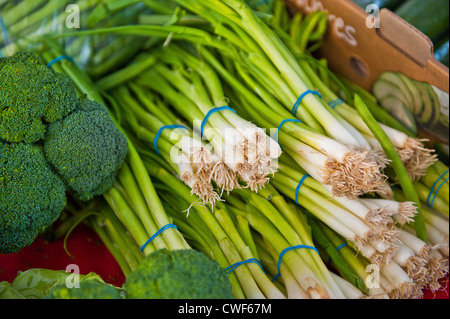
{"points": [[429, 16], [383, 88], [441, 50], [398, 109], [428, 108], [416, 96], [388, 4], [404, 88], [435, 104]]}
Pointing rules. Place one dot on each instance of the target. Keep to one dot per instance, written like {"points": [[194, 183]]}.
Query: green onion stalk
{"points": [[435, 251], [133, 197], [25, 22], [244, 150], [330, 156], [135, 203], [29, 19], [404, 277], [305, 271], [217, 234], [374, 240], [267, 56], [414, 154], [347, 262], [187, 155]]}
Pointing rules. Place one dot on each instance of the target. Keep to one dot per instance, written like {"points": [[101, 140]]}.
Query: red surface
{"points": [[88, 252]]}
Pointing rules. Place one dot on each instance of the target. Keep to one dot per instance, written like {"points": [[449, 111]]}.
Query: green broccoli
{"points": [[51, 142], [31, 96], [178, 274], [86, 149], [31, 195]]}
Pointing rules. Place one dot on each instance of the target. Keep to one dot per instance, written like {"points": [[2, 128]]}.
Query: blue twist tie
{"points": [[211, 112], [239, 263], [300, 185], [335, 103], [300, 99], [430, 204], [284, 251], [281, 124], [60, 58], [157, 233], [158, 135]]}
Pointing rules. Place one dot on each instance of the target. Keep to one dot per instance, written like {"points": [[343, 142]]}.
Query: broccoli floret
{"points": [[31, 95], [31, 195], [178, 274], [86, 290], [86, 149]]}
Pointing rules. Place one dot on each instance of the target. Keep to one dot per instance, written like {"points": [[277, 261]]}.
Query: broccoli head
{"points": [[86, 149], [31, 96], [31, 195], [178, 274]]}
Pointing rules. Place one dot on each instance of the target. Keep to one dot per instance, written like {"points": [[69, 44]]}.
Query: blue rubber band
{"points": [[211, 112], [284, 251], [300, 99], [60, 58], [300, 185], [5, 33], [158, 135], [281, 124], [335, 103], [341, 246], [239, 263], [157, 233], [432, 188], [337, 249], [437, 191]]}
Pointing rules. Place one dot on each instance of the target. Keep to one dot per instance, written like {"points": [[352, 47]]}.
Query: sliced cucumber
{"points": [[383, 88], [428, 109], [398, 109], [417, 107], [395, 79], [436, 105]]}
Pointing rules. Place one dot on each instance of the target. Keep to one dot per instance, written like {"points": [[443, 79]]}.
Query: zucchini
{"points": [[441, 50], [400, 111], [429, 16], [388, 4]]}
